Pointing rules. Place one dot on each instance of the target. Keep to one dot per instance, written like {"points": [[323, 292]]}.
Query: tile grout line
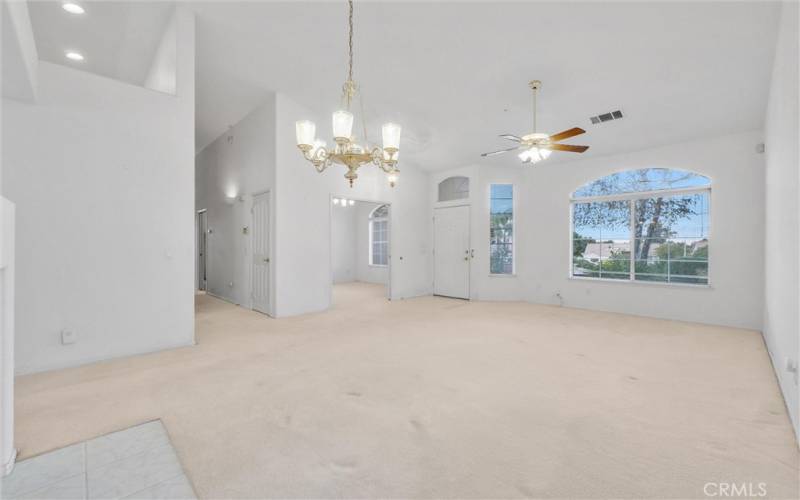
{"points": [[152, 448], [168, 444], [28, 492], [154, 485]]}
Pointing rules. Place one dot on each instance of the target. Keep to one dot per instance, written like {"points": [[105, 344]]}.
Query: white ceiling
{"points": [[455, 74], [118, 39]]}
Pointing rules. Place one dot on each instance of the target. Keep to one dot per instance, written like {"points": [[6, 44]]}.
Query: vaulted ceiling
{"points": [[118, 39], [455, 74]]}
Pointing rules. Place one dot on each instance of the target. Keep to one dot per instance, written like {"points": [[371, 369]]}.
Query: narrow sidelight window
{"points": [[379, 236], [501, 229]]}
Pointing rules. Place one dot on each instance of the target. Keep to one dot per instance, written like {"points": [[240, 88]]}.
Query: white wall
{"points": [[162, 75], [542, 224], [303, 206], [344, 248], [7, 277], [782, 269], [236, 166], [364, 271], [102, 174]]}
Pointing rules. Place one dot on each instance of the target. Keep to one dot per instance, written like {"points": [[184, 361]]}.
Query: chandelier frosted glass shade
{"points": [[342, 125], [306, 132], [391, 136]]}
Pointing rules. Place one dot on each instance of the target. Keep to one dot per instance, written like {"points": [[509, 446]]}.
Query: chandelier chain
{"points": [[350, 42]]}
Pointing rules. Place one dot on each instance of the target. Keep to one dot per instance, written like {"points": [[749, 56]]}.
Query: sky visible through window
{"points": [[646, 179], [502, 200], [615, 226]]}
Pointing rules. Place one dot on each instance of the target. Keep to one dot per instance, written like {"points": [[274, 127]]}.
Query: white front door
{"points": [[261, 257], [451, 252]]}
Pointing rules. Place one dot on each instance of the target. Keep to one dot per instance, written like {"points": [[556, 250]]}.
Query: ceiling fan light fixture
{"points": [[534, 155]]}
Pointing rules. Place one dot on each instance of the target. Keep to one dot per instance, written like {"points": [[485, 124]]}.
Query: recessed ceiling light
{"points": [[75, 56], [73, 8]]}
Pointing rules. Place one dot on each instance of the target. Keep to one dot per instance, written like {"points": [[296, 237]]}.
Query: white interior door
{"points": [[451, 252], [261, 257]]}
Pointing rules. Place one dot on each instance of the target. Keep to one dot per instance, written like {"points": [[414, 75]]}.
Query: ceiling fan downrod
{"points": [[535, 86]]}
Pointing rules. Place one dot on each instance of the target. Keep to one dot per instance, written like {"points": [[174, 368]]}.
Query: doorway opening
{"points": [[360, 249]]}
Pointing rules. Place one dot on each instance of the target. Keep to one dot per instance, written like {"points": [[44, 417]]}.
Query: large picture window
{"points": [[501, 229], [642, 225], [379, 236]]}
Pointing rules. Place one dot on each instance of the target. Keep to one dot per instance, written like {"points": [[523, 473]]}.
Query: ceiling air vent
{"points": [[606, 117]]}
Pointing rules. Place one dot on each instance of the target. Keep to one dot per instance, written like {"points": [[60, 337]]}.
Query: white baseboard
{"points": [[25, 370]]}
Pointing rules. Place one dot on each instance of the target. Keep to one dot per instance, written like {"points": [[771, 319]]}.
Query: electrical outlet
{"points": [[68, 337]]}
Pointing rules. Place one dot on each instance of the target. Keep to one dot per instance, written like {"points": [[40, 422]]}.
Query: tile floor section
{"points": [[138, 462]]}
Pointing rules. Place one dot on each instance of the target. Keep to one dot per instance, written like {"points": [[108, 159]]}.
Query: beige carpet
{"points": [[434, 397]]}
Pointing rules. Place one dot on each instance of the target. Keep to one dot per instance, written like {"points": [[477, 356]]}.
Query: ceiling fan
{"points": [[537, 146]]}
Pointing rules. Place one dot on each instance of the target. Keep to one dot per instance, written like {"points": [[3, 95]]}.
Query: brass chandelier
{"points": [[348, 151]]}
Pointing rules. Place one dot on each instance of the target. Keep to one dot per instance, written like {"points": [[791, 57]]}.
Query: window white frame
{"points": [[513, 272], [632, 198], [371, 249], [449, 182]]}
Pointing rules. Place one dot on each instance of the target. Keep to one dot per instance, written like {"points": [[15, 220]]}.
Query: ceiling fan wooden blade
{"points": [[566, 147], [511, 137], [493, 153], [567, 134]]}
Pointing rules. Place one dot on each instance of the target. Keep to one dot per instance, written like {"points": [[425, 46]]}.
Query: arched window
{"points": [[642, 225], [379, 236], [454, 188]]}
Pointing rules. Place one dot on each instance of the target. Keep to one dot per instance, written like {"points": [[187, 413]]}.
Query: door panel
{"points": [[261, 257], [451, 252]]}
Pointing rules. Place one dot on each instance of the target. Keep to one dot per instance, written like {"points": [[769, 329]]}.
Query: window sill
{"points": [[378, 265], [644, 283], [512, 275]]}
